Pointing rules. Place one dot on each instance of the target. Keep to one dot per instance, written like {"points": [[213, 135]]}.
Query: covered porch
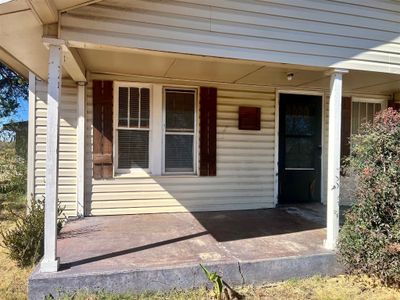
{"points": [[155, 252], [243, 173]]}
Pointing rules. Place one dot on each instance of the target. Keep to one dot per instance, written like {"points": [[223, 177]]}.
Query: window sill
{"points": [[177, 175], [147, 175], [132, 174]]}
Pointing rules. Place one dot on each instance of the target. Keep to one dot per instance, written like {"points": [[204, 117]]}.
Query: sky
{"points": [[20, 115]]}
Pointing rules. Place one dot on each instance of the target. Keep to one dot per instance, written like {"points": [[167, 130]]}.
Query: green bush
{"points": [[369, 241], [12, 176], [24, 241]]}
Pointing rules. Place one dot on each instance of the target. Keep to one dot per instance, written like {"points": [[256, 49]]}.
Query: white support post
{"points": [[30, 192], [50, 261], [80, 131], [333, 186], [157, 130]]}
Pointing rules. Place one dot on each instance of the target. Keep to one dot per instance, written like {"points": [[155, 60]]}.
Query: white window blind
{"points": [[179, 151], [133, 127], [362, 112]]}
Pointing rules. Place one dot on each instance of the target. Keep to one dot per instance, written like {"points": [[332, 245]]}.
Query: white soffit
{"points": [[21, 36], [69, 4], [360, 79], [158, 64], [12, 6], [278, 76], [210, 70], [125, 63]]}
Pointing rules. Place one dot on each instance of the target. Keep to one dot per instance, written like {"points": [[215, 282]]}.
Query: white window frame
{"points": [[382, 102], [194, 133], [117, 85]]}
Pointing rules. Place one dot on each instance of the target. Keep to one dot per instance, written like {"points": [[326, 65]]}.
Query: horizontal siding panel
{"points": [[64, 139], [67, 131], [63, 164], [215, 195], [61, 173], [171, 202], [178, 187], [62, 189], [63, 147], [180, 208], [180, 180]]}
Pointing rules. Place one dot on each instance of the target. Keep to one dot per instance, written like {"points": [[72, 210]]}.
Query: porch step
{"points": [[183, 276]]}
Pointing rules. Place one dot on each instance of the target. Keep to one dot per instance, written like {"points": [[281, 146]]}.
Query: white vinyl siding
{"points": [[67, 149], [323, 33], [244, 180]]}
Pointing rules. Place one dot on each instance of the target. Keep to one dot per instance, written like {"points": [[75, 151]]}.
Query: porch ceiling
{"points": [[197, 68]]}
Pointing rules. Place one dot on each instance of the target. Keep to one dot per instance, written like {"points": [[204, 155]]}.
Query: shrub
{"points": [[12, 175], [369, 241], [24, 241]]}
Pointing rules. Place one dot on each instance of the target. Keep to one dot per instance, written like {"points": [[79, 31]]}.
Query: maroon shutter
{"points": [[208, 131], [394, 105], [102, 129], [346, 127]]}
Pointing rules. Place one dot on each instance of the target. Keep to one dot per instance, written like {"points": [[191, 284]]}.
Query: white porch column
{"points": [[50, 261], [80, 131], [333, 186]]}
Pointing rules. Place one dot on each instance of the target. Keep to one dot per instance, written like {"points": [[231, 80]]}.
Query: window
{"points": [[132, 127], [180, 124], [363, 110]]}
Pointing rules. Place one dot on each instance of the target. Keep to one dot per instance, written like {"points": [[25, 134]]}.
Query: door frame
{"points": [[276, 153]]}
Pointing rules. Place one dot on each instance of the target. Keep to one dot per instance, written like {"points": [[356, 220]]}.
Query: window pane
{"points": [[144, 107], [355, 120], [370, 112], [133, 149], [179, 107], [300, 152], [363, 112], [378, 107], [178, 153], [123, 107], [134, 108]]}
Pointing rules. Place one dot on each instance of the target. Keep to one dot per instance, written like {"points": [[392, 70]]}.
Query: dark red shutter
{"points": [[208, 131], [346, 127], [102, 129], [394, 105]]}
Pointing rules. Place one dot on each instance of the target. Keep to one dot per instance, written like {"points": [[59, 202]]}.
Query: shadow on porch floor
{"points": [[174, 239]]}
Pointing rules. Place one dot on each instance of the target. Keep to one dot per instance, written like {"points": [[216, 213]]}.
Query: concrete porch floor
{"points": [[163, 251]]}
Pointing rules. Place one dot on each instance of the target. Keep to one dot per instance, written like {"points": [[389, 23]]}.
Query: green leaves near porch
{"points": [[370, 238]]}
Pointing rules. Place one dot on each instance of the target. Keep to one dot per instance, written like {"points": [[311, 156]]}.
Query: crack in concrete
{"points": [[240, 272]]}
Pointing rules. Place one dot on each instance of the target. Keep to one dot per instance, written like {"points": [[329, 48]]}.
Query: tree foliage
{"points": [[12, 88], [369, 240]]}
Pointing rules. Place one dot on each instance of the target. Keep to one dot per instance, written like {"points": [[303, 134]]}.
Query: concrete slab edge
{"points": [[183, 277]]}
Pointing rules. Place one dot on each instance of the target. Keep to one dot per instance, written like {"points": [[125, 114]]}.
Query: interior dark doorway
{"points": [[300, 148]]}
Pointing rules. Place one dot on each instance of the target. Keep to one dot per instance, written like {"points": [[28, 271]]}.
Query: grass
{"points": [[314, 288], [13, 280]]}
